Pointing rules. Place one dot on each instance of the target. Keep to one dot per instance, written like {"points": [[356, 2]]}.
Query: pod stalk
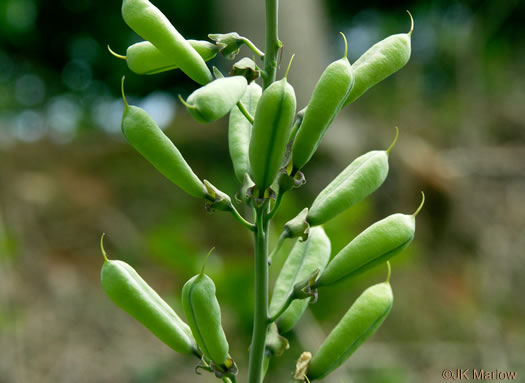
{"points": [[278, 246], [389, 271], [245, 112]]}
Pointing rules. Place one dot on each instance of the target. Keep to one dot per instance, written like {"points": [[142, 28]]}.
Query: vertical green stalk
{"points": [[272, 44], [262, 221], [260, 317]]}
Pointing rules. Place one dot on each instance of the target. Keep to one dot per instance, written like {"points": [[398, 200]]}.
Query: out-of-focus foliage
{"points": [[66, 175]]}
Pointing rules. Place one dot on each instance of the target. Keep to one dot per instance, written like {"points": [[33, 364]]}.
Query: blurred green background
{"points": [[67, 175]]}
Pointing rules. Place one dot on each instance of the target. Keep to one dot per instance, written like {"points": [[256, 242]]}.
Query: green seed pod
{"points": [[380, 61], [240, 130], [215, 100], [145, 58], [305, 258], [375, 245], [132, 294], [361, 178], [148, 139], [204, 317], [361, 321], [273, 121], [151, 24], [328, 97]]}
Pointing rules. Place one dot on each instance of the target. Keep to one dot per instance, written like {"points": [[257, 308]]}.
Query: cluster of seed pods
{"points": [[269, 145]]}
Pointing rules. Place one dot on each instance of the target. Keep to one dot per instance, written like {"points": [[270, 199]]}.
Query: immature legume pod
{"points": [[148, 139], [361, 178], [380, 61], [376, 244], [204, 317], [305, 257], [216, 99], [132, 294], [146, 58], [271, 129], [240, 131], [327, 100], [361, 321], [151, 24]]}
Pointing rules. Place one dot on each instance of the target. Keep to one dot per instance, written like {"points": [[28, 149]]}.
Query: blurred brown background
{"points": [[67, 175]]}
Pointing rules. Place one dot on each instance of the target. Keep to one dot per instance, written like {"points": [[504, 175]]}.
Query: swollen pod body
{"points": [[328, 97], [148, 139], [216, 99], [377, 244], [146, 58], [362, 320], [132, 294], [380, 61], [204, 317], [271, 129], [305, 258], [240, 131], [151, 24], [361, 178]]}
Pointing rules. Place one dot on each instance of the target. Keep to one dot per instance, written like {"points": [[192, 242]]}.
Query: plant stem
{"points": [[260, 317], [272, 44]]}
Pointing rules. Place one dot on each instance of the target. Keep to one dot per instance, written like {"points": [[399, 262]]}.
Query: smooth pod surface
{"points": [[361, 321], [131, 293], [271, 129], [152, 25], [216, 99], [380, 61], [305, 257], [204, 317], [376, 244], [361, 178], [328, 97], [148, 139], [146, 58], [240, 131]]}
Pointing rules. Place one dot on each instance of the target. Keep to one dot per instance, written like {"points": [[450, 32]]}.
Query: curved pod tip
{"points": [[189, 106], [116, 54], [206, 260], [289, 66], [411, 23], [346, 45], [122, 90], [420, 205], [388, 272], [102, 248], [393, 142]]}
